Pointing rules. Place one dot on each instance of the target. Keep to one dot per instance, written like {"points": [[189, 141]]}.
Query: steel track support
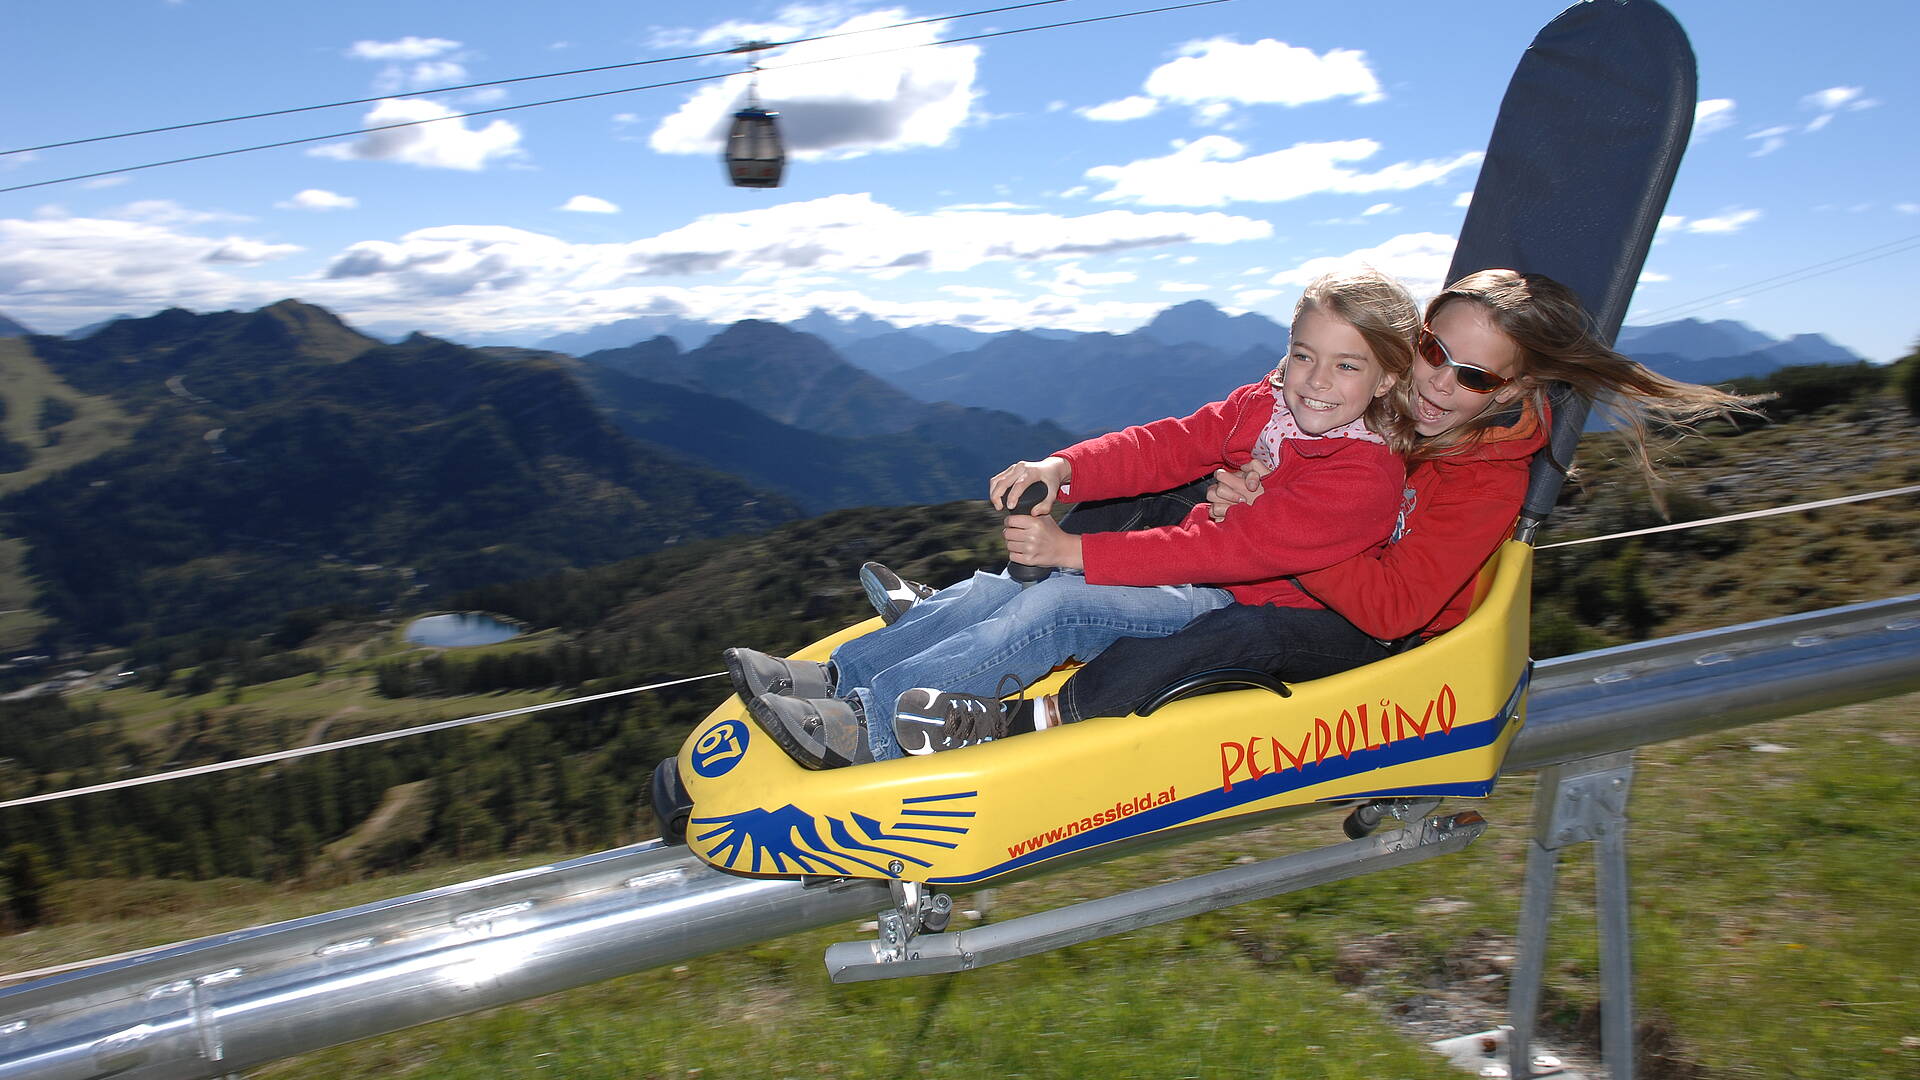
{"points": [[965, 950], [1582, 801]]}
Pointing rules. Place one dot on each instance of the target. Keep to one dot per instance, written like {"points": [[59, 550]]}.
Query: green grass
{"points": [[1776, 935]]}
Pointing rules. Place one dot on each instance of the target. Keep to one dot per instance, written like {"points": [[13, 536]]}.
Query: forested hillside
{"points": [[575, 777], [283, 461]]}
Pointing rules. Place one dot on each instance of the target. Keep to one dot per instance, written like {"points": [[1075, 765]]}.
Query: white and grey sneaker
{"points": [[890, 594], [927, 721], [755, 673]]}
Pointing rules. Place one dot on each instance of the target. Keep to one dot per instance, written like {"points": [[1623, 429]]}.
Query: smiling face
{"points": [[1471, 336], [1331, 374]]}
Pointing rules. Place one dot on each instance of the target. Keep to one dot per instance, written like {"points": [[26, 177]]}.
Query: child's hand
{"points": [[1039, 541], [1232, 489], [1005, 488]]}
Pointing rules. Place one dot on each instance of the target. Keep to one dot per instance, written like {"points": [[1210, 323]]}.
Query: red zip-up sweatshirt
{"points": [[1326, 500], [1456, 512]]}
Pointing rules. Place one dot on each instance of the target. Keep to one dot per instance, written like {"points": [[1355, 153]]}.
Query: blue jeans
{"points": [[968, 637]]}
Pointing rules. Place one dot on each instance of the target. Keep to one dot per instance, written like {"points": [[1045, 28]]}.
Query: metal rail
{"points": [[222, 1004]]}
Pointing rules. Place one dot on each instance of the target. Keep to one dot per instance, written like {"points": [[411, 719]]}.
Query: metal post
{"points": [[1536, 911], [1616, 942], [1577, 802]]}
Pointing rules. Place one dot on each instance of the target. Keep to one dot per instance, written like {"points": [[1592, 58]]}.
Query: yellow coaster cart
{"points": [[1430, 722]]}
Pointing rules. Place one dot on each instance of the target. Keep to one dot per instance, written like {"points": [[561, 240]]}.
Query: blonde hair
{"points": [[1387, 319], [1559, 344]]}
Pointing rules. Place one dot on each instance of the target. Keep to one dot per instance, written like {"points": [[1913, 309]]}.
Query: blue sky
{"points": [[1084, 177]]}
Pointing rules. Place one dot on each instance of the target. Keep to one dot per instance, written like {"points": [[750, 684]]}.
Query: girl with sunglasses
{"points": [[1490, 346]]}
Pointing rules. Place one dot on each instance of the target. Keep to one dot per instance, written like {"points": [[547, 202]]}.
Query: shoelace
{"points": [[969, 717]]}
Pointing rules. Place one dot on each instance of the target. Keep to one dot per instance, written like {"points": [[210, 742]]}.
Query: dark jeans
{"points": [[1136, 512], [1292, 644]]}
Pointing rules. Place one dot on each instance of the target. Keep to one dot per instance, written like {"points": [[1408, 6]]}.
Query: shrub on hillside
{"points": [[1809, 387], [1905, 378]]}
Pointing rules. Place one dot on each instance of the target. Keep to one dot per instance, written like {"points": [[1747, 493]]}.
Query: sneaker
{"points": [[890, 594], [820, 733], [926, 721], [756, 673]]}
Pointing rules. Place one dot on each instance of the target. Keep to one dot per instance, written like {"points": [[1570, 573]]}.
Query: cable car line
{"points": [[443, 725], [362, 131], [598, 94], [340, 744], [1788, 277], [1749, 515], [517, 79]]}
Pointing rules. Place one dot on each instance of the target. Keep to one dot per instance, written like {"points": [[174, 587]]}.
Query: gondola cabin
{"points": [[754, 155]]}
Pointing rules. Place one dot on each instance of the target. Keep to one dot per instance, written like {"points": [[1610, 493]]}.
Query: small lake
{"points": [[464, 628]]}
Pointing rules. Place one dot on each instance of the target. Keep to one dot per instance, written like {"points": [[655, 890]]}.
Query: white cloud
{"points": [[70, 271], [1835, 98], [853, 106], [1380, 208], [1711, 115], [587, 204], [1210, 171], [1731, 221], [1907, 208], [318, 199], [989, 206], [1267, 72], [406, 48], [425, 75], [1653, 277], [239, 249], [445, 144], [1214, 114], [1126, 108], [472, 280], [1830, 102], [1464, 199], [1771, 139], [1250, 297], [1418, 260], [1070, 279], [754, 263], [168, 212]]}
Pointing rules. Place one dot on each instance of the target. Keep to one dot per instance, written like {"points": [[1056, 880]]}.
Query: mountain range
{"points": [[1187, 354], [280, 458]]}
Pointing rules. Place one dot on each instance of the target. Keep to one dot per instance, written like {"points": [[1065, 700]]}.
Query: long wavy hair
{"points": [[1387, 319], [1559, 344]]}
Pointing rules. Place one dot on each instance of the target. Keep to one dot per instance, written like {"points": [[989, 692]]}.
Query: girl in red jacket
{"points": [[1490, 346], [1326, 427]]}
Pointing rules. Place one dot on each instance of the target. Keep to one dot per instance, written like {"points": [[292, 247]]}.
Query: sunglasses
{"points": [[1477, 379]]}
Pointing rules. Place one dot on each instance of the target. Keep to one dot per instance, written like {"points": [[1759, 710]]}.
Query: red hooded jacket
{"points": [[1327, 500], [1455, 513]]}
